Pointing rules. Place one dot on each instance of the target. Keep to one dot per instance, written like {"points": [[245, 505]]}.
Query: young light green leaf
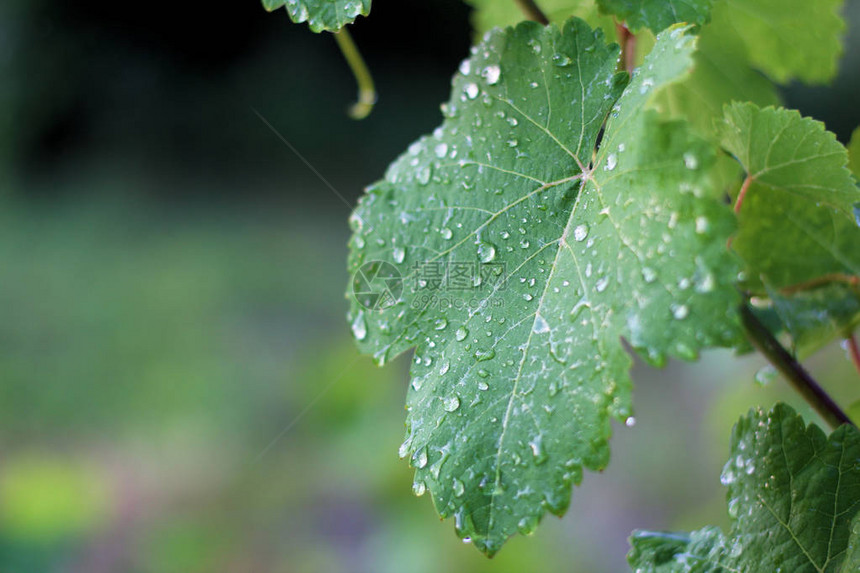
{"points": [[721, 74], [330, 15], [516, 378], [657, 15], [794, 501], [489, 14], [780, 149], [786, 39]]}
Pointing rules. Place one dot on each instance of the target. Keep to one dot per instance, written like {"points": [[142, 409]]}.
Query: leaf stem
{"points": [[853, 350], [850, 280], [628, 46], [533, 11], [792, 370], [366, 90], [743, 193]]}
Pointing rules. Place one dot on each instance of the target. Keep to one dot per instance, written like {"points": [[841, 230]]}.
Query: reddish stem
{"points": [[743, 193], [854, 350], [628, 46], [850, 280]]}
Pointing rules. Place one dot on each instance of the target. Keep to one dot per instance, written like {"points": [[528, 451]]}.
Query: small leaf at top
{"points": [[794, 501], [489, 14], [330, 15], [787, 39], [657, 15], [526, 253]]}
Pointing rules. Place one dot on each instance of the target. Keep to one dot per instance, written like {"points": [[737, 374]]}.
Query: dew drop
{"points": [[420, 460], [440, 324], [765, 375], [484, 355], [399, 253], [403, 451], [451, 403], [580, 233], [446, 233], [472, 90], [611, 162], [461, 333], [691, 161], [540, 325], [459, 488], [492, 73], [630, 422], [649, 274], [561, 60], [423, 175], [359, 327], [441, 150], [527, 525], [680, 311], [486, 252], [418, 488], [701, 225]]}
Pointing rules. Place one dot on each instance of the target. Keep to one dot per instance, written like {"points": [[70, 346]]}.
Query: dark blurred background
{"points": [[178, 389]]}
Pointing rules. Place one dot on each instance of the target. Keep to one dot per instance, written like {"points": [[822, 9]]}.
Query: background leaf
{"points": [[330, 15], [513, 389], [492, 13], [657, 15], [787, 39], [794, 498], [797, 231], [721, 74], [795, 155]]}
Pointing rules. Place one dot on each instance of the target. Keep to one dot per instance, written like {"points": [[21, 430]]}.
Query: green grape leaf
{"points": [[797, 231], [854, 158], [780, 149], [722, 74], [815, 317], [806, 259], [657, 15], [489, 14], [794, 501], [330, 15], [566, 248], [786, 39]]}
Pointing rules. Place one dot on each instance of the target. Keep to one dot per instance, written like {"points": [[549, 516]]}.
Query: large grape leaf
{"points": [[794, 501], [786, 39], [331, 15], [657, 15], [515, 381]]}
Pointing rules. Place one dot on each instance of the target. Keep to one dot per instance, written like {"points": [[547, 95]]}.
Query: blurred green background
{"points": [[178, 388]]}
